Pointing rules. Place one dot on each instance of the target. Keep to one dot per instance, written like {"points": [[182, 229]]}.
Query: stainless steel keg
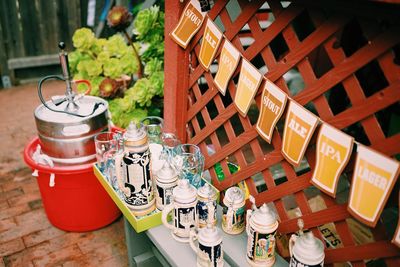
{"points": [[67, 124]]}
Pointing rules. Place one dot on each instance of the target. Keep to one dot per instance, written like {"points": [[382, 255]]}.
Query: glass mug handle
{"points": [[167, 210]]}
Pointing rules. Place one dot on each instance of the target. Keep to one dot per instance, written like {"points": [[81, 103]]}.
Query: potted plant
{"points": [[127, 71]]}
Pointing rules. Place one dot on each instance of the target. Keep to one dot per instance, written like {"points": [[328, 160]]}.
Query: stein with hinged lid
{"points": [[261, 229], [305, 249], [133, 171], [209, 251], [165, 180], [233, 211], [206, 205], [184, 211]]}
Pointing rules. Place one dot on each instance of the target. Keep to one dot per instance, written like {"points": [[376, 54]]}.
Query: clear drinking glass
{"points": [[107, 147], [169, 141], [154, 127], [104, 142], [188, 160]]}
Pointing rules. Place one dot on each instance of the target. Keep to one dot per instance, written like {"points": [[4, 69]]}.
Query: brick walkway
{"points": [[26, 236]]}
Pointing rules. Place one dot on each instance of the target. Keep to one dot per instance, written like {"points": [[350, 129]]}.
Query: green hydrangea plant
{"points": [[106, 61]]}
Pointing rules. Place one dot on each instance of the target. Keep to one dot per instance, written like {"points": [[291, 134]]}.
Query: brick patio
{"points": [[26, 236]]}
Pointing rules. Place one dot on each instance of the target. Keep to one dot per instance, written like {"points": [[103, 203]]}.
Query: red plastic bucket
{"points": [[77, 201]]}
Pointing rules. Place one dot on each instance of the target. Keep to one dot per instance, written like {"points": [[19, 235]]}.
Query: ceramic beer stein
{"points": [[305, 249], [209, 251], [233, 212], [133, 172], [206, 205], [261, 229], [184, 207], [165, 179]]}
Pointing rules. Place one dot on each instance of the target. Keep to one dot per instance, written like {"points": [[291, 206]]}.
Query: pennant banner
{"points": [[209, 45], [374, 174], [249, 81], [299, 127], [273, 103], [373, 179], [228, 61], [189, 23], [396, 238], [333, 152]]}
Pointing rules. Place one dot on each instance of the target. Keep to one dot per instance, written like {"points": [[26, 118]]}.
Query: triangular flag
{"points": [[300, 125], [249, 81], [373, 179], [189, 24], [273, 103], [227, 64], [333, 152], [209, 44]]}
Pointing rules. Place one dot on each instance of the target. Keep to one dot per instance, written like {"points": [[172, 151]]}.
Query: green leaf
{"points": [[83, 39]]}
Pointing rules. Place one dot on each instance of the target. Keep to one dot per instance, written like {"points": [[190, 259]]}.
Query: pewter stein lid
{"points": [[184, 192], [233, 196], [206, 191], [209, 235], [166, 174], [265, 218], [135, 136], [309, 249]]}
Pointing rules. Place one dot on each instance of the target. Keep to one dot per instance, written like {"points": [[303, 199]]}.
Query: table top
{"points": [[180, 254]]}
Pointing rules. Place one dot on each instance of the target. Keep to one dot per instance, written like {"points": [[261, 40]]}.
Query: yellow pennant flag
{"points": [[209, 45], [396, 237], [228, 61], [299, 127], [373, 179], [333, 152], [249, 81], [273, 103], [189, 23]]}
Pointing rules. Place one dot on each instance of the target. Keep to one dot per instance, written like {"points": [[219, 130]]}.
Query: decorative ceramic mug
{"points": [[209, 251], [305, 249], [233, 211], [184, 211], [206, 205], [261, 229]]}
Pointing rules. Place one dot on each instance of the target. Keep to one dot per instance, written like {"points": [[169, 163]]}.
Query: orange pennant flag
{"points": [[249, 81], [209, 45], [373, 179], [300, 125], [333, 152], [189, 23], [273, 103], [228, 61]]}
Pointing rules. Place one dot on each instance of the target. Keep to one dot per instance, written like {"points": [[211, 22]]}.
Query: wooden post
{"points": [[176, 72]]}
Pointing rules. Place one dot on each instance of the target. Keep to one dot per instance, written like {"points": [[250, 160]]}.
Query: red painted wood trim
{"points": [[176, 75]]}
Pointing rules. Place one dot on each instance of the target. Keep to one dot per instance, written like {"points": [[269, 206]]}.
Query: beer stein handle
{"points": [[229, 218], [118, 174], [192, 237], [248, 215], [292, 241], [167, 210]]}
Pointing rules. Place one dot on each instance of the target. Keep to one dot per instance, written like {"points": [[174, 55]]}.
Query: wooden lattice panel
{"points": [[341, 64]]}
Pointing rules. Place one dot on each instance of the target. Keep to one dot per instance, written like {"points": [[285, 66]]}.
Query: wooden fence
{"points": [[344, 58], [30, 32]]}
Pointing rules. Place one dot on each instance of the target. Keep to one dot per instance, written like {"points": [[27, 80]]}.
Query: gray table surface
{"points": [[180, 254]]}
